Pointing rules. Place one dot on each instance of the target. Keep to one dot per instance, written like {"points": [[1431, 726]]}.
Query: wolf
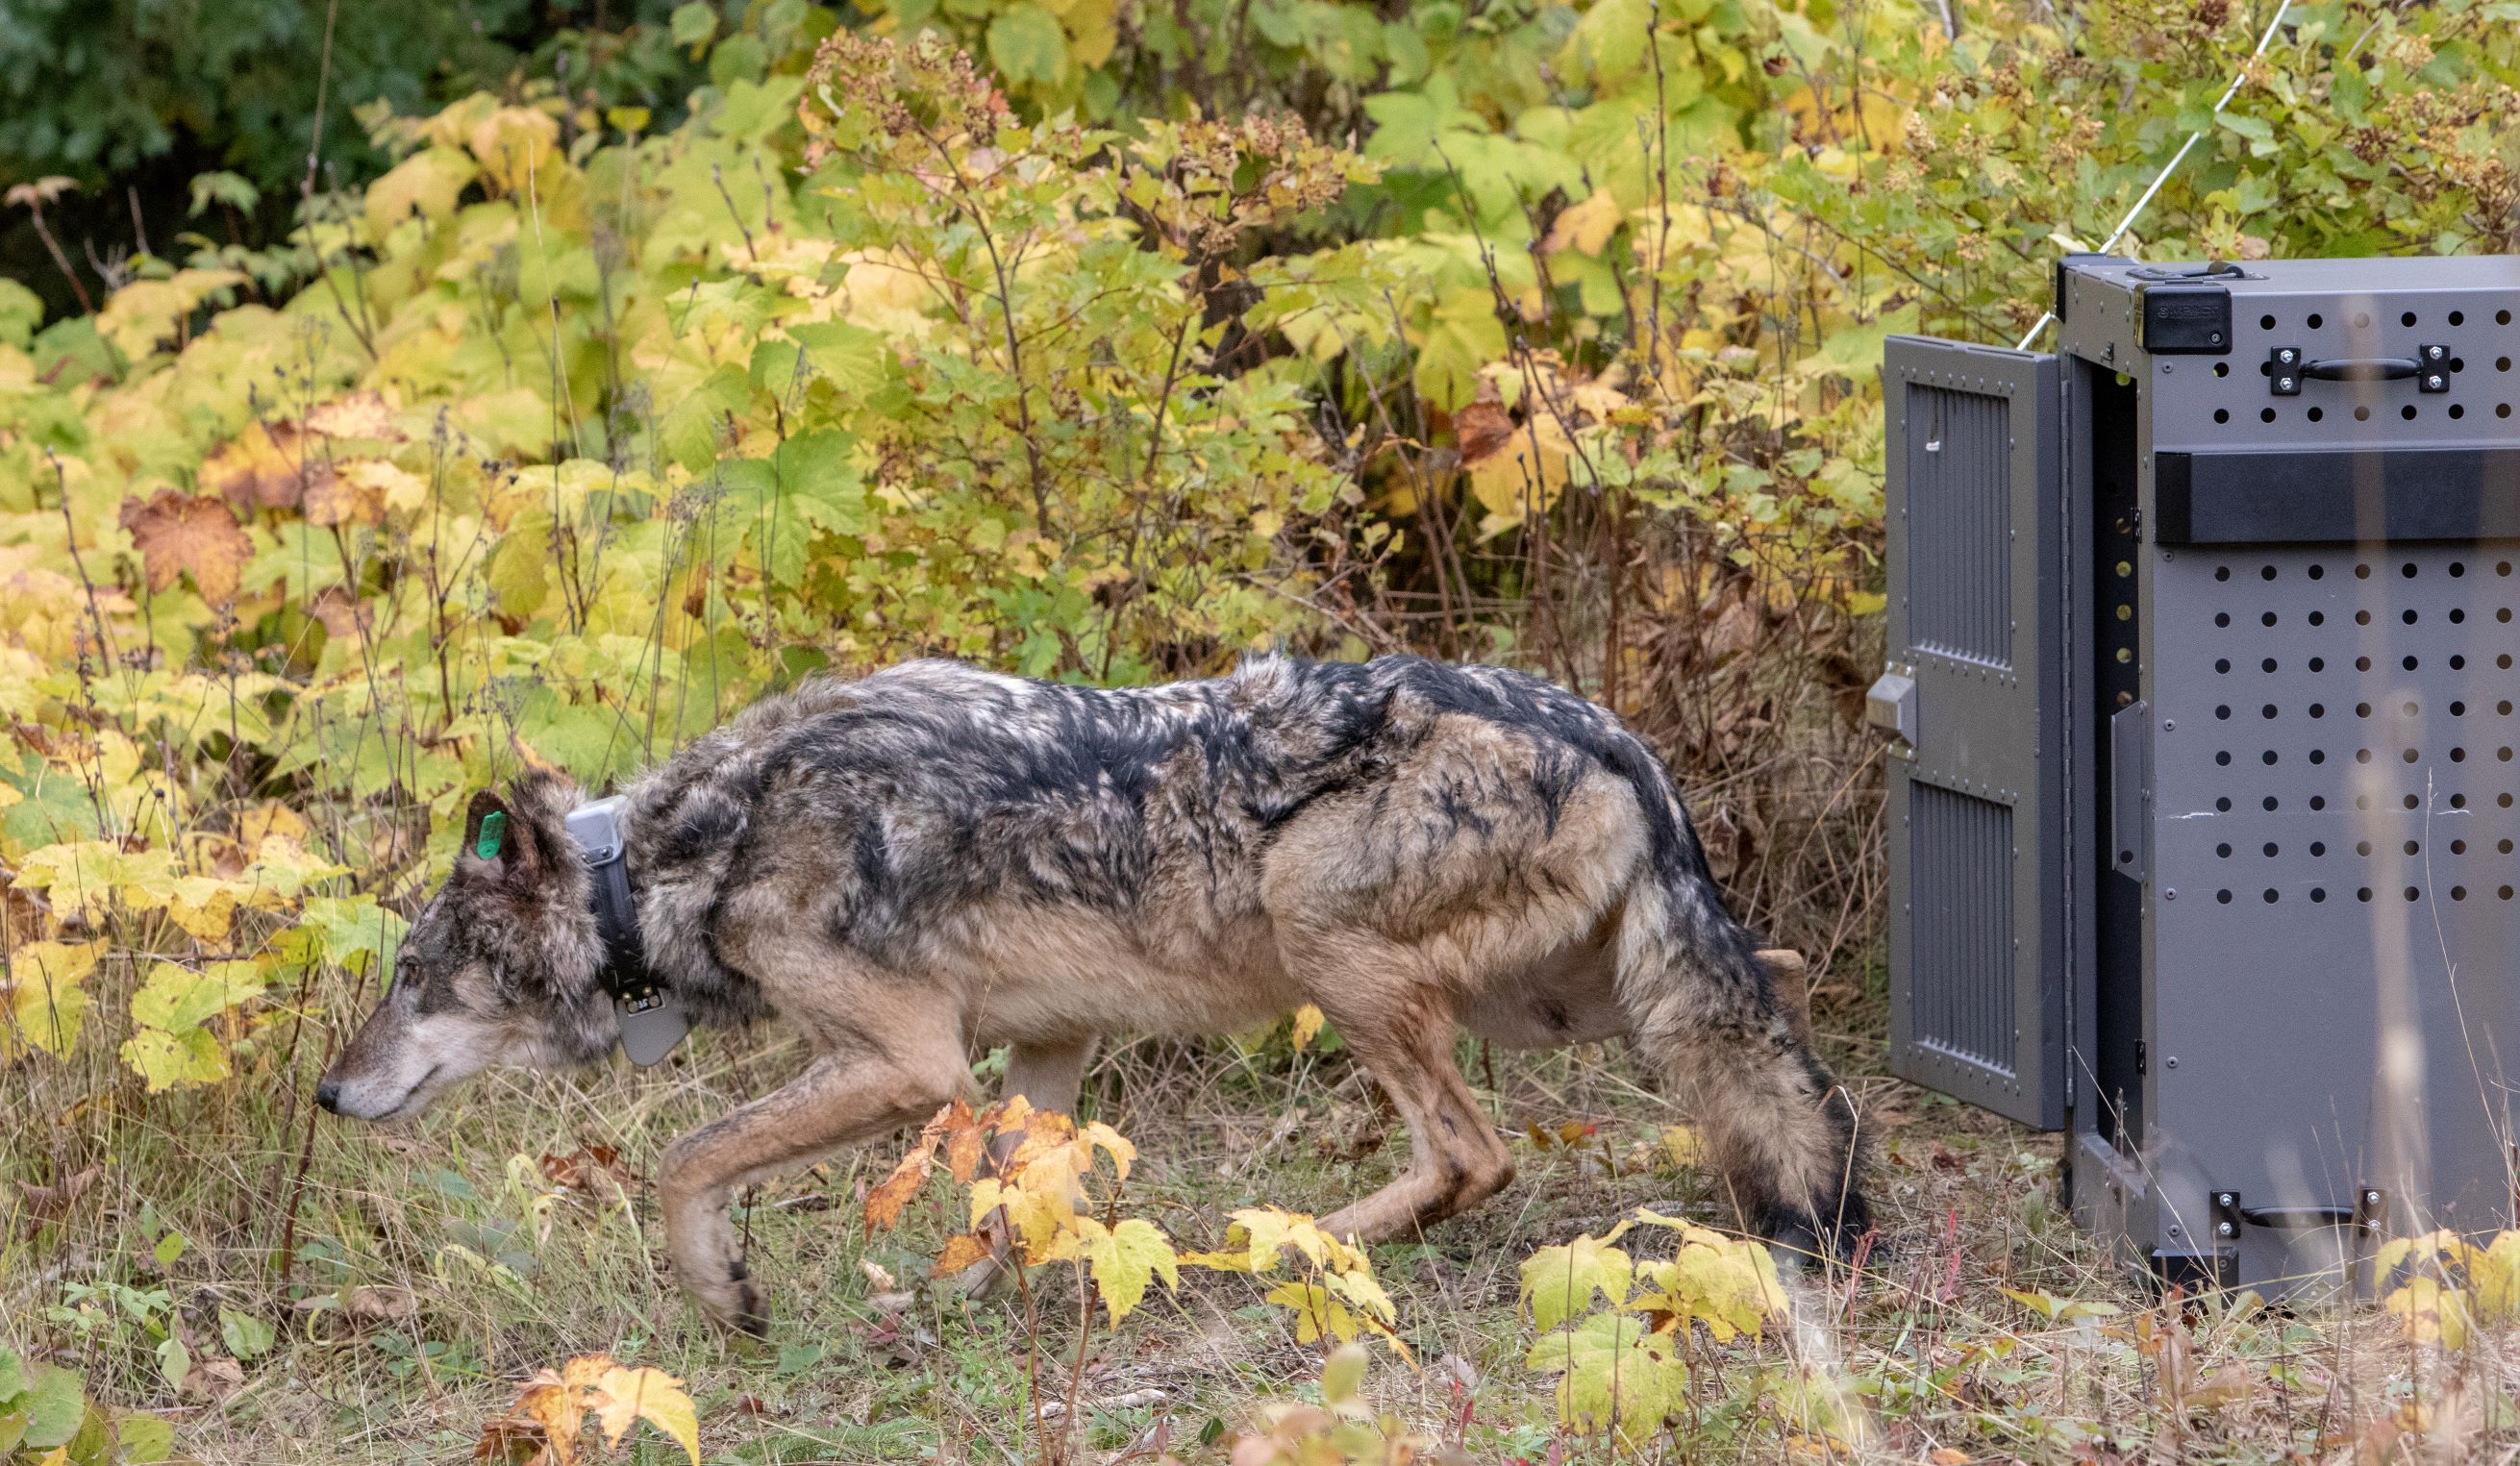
{"points": [[935, 858]]}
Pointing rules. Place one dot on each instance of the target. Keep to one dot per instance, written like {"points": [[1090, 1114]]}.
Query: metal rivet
{"points": [[2170, 895], [2170, 1064]]}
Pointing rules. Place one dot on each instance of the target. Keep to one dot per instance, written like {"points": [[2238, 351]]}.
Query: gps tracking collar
{"points": [[653, 1019]]}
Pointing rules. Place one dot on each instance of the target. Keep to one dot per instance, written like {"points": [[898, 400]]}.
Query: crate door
{"points": [[1976, 601]]}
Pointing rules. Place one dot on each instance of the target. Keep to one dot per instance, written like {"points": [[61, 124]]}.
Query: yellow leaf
{"points": [[426, 184], [515, 146], [1124, 1259], [1308, 1025], [46, 1002], [1680, 1143], [169, 1061], [621, 1396], [1587, 226]]}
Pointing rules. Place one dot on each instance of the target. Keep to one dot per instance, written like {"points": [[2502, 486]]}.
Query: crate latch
{"points": [[2130, 791]]}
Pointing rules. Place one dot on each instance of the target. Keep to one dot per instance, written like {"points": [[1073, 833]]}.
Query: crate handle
{"points": [[2363, 369]]}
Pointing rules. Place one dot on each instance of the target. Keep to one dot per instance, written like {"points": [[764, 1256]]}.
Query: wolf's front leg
{"points": [[842, 1097]]}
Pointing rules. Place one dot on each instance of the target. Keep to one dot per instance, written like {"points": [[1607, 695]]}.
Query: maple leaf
{"points": [[182, 535], [1124, 1259], [1585, 226], [1614, 1373], [263, 466], [355, 415], [962, 1250], [45, 999], [1559, 1282], [1307, 1026], [621, 1396]]}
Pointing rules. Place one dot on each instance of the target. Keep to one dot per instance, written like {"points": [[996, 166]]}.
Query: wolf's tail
{"points": [[1776, 1123]]}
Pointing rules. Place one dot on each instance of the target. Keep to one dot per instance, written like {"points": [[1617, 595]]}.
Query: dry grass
{"points": [[1923, 1352]]}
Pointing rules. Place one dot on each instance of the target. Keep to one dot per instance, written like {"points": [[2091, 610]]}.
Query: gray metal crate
{"points": [[2202, 675]]}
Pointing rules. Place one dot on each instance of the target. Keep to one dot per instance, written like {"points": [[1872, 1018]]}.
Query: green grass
{"points": [[509, 1277]]}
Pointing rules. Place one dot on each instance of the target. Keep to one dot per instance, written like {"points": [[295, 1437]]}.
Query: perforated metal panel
{"points": [[2336, 758], [1976, 961]]}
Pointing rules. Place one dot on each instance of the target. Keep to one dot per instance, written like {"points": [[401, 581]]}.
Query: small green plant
{"points": [[47, 1419]]}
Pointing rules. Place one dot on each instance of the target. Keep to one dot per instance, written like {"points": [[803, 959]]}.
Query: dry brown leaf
{"points": [[1482, 427], [966, 1250], [177, 534], [47, 1202], [883, 1204], [261, 468]]}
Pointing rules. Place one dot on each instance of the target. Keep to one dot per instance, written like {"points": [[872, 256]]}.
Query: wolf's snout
{"points": [[327, 1094]]}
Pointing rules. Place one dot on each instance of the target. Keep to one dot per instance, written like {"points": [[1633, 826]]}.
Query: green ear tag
{"points": [[494, 830]]}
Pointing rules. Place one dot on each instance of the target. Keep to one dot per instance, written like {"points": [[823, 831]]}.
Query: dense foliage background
{"points": [[573, 404]]}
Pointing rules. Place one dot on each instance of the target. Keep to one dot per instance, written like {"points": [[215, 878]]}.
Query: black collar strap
{"points": [[653, 1020]]}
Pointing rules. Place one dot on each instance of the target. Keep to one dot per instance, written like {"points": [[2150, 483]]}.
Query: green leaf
{"points": [[12, 1376], [245, 1335], [1559, 1283], [693, 25], [1613, 1373], [1464, 335], [1125, 1259], [175, 998], [142, 1440], [1027, 45], [54, 1407], [169, 1247]]}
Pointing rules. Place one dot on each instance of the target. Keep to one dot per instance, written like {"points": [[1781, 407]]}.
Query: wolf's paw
{"points": [[733, 1301]]}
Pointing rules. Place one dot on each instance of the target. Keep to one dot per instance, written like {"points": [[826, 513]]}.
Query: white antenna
{"points": [[2175, 158]]}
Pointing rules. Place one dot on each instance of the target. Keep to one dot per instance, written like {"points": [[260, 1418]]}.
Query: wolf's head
{"points": [[499, 969]]}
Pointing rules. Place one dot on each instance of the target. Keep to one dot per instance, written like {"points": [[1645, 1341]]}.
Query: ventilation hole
{"points": [[2223, 897], [2407, 412], [2269, 711], [2502, 364], [2271, 896], [2361, 618], [2458, 318], [2458, 662], [2456, 756], [2319, 801], [2458, 709], [2406, 570], [2411, 662], [2364, 894], [2408, 319], [2319, 893], [2318, 710], [2457, 569], [2315, 415], [2409, 756], [2271, 804], [2411, 848], [2362, 411], [2266, 415], [2413, 894], [2319, 847], [2411, 802], [2502, 894], [2502, 409], [2318, 755], [2222, 806], [2503, 801], [2222, 758], [2222, 368], [2224, 711], [2361, 847], [2319, 664], [2362, 319], [2223, 664], [2221, 572], [2458, 847], [2458, 801], [2409, 709], [2408, 615], [2502, 613], [2362, 801], [2362, 710], [2502, 755], [2221, 618], [2268, 758], [2318, 572], [2223, 415], [2316, 320], [2361, 755], [2502, 847], [2269, 665], [2224, 850], [2362, 572], [2458, 616], [2458, 411], [2503, 707], [2318, 618], [2459, 893], [2266, 322], [2266, 572]]}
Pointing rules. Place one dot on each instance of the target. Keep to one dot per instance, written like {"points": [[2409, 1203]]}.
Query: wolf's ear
{"points": [[497, 841]]}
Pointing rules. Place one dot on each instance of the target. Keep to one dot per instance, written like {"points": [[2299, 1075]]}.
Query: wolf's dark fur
{"points": [[934, 858]]}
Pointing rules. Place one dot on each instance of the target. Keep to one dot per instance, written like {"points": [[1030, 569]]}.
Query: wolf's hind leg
{"points": [[841, 1098], [1401, 1028]]}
